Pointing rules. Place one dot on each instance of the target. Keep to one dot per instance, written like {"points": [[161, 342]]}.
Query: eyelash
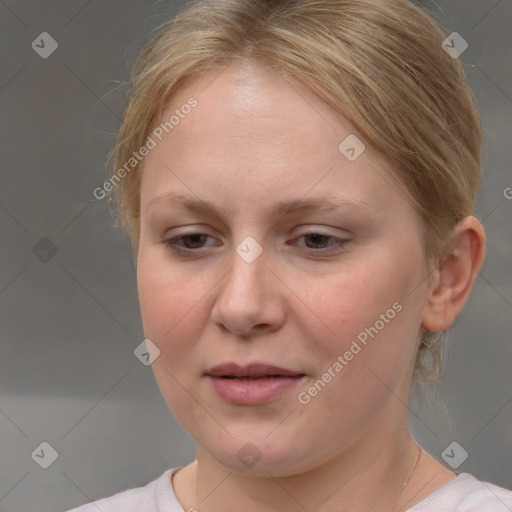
{"points": [[171, 243]]}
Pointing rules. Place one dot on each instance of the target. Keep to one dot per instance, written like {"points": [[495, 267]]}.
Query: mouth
{"points": [[254, 384], [253, 378], [250, 372]]}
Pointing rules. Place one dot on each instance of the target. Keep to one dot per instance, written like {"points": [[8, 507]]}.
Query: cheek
{"points": [[354, 298], [170, 301], [371, 314], [374, 329], [173, 307]]}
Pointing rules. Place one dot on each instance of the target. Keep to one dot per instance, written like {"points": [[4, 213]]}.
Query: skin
{"points": [[254, 140]]}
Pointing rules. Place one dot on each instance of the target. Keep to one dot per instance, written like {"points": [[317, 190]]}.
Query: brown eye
{"points": [[194, 241], [192, 244], [320, 243], [317, 239]]}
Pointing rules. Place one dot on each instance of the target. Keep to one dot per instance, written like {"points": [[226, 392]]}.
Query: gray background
{"points": [[69, 320]]}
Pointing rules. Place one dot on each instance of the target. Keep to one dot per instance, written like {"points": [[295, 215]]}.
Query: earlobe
{"points": [[456, 275]]}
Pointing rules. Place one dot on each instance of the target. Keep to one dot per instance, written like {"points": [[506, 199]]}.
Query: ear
{"points": [[455, 275]]}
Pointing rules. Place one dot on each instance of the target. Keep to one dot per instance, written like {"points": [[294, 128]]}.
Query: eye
{"points": [[320, 241], [191, 242], [188, 244]]}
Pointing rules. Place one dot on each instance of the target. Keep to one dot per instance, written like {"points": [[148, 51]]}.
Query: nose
{"points": [[249, 298]]}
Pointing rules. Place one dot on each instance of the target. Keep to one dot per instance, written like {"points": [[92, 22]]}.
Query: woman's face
{"points": [[269, 238]]}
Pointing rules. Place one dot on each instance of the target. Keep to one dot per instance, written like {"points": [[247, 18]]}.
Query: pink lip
{"points": [[231, 382], [250, 370]]}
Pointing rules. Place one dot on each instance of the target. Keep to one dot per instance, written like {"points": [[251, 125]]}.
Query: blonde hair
{"points": [[379, 63]]}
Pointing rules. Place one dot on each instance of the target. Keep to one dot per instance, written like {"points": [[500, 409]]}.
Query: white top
{"points": [[465, 493]]}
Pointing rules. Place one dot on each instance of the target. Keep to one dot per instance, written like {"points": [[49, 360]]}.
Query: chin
{"points": [[259, 455]]}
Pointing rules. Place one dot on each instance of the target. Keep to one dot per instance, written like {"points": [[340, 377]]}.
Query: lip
{"points": [[231, 382], [250, 370]]}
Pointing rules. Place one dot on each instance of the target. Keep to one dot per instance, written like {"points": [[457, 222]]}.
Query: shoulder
{"points": [[467, 493], [156, 496]]}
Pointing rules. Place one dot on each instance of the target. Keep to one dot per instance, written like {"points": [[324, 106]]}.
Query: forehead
{"points": [[248, 100], [257, 135]]}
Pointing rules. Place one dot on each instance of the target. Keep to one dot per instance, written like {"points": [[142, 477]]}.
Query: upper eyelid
{"points": [[310, 229], [179, 237]]}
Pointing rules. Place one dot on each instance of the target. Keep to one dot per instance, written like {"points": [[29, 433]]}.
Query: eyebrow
{"points": [[281, 208]]}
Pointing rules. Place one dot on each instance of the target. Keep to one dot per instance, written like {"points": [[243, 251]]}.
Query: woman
{"points": [[297, 178]]}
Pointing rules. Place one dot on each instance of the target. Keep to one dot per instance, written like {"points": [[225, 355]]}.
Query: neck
{"points": [[367, 476]]}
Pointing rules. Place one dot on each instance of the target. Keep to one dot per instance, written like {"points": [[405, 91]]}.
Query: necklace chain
{"points": [[197, 508], [408, 478]]}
